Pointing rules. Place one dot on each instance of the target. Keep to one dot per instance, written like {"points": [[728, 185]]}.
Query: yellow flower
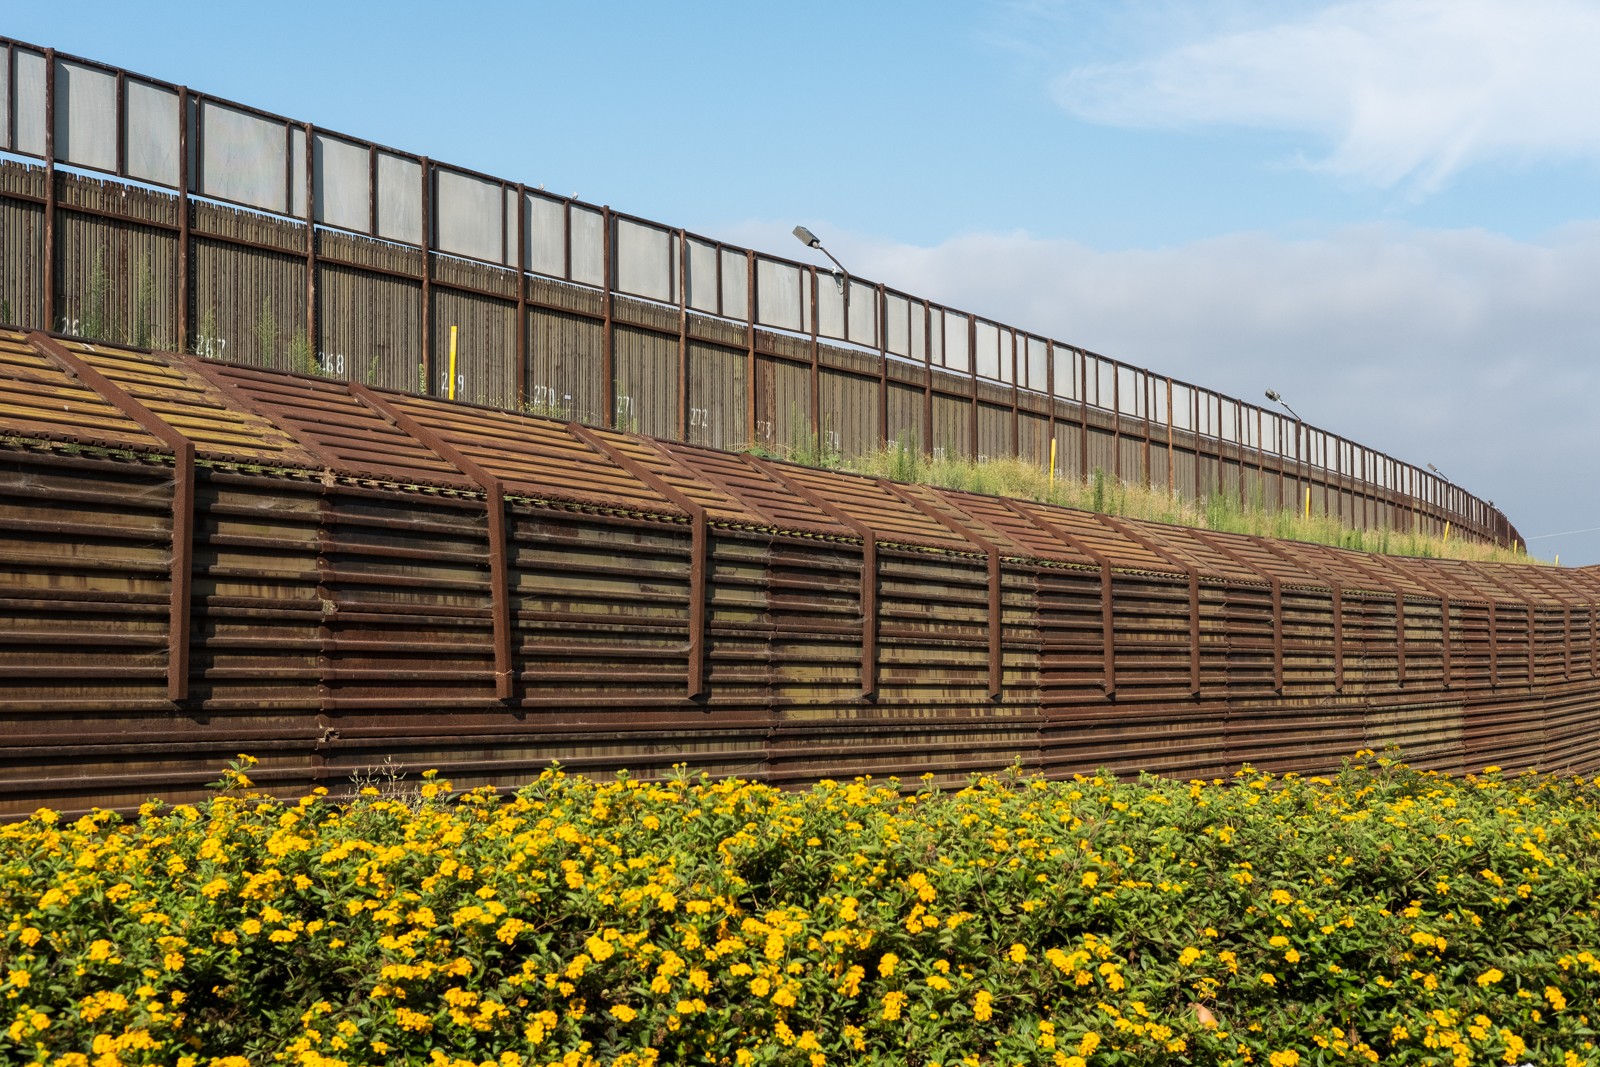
{"points": [[1268, 979], [623, 1012], [982, 1006], [1091, 879], [887, 964], [1490, 977], [1018, 953]]}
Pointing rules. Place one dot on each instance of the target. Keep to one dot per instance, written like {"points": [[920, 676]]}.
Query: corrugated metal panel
{"points": [[564, 370], [251, 304], [718, 396], [486, 368], [117, 281], [849, 409]]}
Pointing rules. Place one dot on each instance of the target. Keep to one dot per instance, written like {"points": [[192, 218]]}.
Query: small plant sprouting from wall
{"points": [[143, 334], [266, 332], [97, 322], [206, 342], [301, 355]]}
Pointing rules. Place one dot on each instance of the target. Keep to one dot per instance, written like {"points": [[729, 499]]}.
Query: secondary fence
{"points": [[371, 264], [202, 558]]}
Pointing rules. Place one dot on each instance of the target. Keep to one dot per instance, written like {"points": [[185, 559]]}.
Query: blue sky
{"points": [[1386, 209]]}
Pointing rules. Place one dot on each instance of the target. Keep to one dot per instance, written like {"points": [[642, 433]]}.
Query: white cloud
{"points": [[1462, 348], [1399, 89]]}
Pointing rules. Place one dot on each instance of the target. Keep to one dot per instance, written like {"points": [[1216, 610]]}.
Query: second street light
{"points": [[811, 240], [1277, 398]]}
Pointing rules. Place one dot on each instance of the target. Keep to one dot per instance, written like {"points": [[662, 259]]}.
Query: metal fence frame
{"points": [[1362, 486]]}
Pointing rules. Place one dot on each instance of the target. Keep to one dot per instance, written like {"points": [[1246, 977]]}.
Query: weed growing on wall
{"points": [[1102, 492], [1382, 915]]}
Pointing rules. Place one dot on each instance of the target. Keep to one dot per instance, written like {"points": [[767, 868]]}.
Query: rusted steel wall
{"points": [[355, 598], [383, 314]]}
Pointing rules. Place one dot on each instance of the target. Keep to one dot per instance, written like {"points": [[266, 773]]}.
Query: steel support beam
{"points": [[1527, 606], [996, 620], [1193, 573], [869, 567], [495, 503], [1277, 601], [182, 568], [698, 547], [1108, 642]]}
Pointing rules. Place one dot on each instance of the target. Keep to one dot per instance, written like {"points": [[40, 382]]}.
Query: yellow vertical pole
{"points": [[452, 363], [1447, 529], [1308, 502], [1052, 461]]}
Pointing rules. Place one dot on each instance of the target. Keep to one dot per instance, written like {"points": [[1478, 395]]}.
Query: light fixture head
{"points": [[1433, 468], [807, 238], [1272, 394]]}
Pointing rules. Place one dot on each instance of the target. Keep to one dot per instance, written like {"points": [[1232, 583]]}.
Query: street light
{"points": [[811, 240], [1440, 473], [1276, 398]]}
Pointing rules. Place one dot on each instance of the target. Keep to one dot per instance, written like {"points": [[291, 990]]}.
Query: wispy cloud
{"points": [[1394, 90], [1457, 347]]}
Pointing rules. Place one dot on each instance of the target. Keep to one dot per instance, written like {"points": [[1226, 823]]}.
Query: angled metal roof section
{"points": [[1097, 537], [1012, 526], [1523, 582], [192, 405], [1467, 577], [533, 457], [867, 502], [1265, 561], [770, 501], [719, 506], [43, 401], [965, 512], [1202, 557], [345, 433]]}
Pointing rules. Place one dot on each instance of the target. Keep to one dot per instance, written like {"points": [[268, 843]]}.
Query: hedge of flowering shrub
{"points": [[1383, 915]]}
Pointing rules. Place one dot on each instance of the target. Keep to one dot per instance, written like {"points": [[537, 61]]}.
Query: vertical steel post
{"points": [[1116, 421], [428, 376], [750, 338], [816, 353], [927, 376], [50, 192], [311, 229], [1145, 395], [683, 335], [608, 369], [522, 297], [881, 314], [122, 123], [1016, 387], [1083, 416], [972, 370], [1050, 388], [1170, 455], [183, 341]]}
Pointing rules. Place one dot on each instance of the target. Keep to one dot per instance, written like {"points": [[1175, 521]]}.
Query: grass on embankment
{"points": [[1103, 493]]}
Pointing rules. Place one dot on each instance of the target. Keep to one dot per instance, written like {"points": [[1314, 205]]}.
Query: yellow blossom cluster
{"points": [[1384, 915]]}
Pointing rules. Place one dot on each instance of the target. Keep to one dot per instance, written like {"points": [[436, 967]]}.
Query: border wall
{"points": [[200, 558], [250, 237]]}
